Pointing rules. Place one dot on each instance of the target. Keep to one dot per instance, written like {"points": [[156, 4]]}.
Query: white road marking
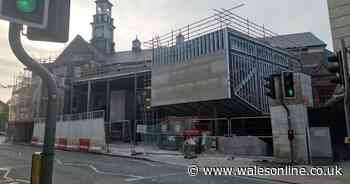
{"points": [[23, 181], [94, 169], [145, 162], [58, 161], [14, 181], [7, 172], [153, 177]]}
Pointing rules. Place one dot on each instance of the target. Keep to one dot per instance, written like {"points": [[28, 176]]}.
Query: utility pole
{"points": [[346, 86]]}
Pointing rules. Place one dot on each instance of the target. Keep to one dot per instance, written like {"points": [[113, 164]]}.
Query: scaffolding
{"points": [[100, 71], [20, 106], [222, 18]]}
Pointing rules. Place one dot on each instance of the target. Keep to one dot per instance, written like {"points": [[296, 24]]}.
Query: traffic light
{"points": [[336, 67], [288, 85], [269, 85], [57, 29], [47, 20], [147, 104], [147, 98], [33, 13]]}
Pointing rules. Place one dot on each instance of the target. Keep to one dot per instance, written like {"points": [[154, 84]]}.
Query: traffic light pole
{"points": [[346, 86], [46, 76], [289, 121]]}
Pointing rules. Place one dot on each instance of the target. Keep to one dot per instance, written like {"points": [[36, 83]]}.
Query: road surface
{"points": [[85, 168]]}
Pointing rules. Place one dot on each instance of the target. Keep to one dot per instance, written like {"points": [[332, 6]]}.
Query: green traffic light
{"points": [[26, 6], [290, 93]]}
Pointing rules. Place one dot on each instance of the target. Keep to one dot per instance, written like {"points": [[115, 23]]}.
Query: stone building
{"points": [[313, 54], [92, 76]]}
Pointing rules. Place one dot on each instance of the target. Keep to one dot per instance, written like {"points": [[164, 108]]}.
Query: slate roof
{"points": [[297, 40], [129, 57], [80, 47]]}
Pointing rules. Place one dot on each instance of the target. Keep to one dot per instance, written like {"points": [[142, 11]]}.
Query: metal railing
{"points": [[223, 18], [118, 130], [98, 71], [75, 117]]}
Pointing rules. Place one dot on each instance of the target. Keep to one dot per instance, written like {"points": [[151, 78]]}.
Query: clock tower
{"points": [[103, 28]]}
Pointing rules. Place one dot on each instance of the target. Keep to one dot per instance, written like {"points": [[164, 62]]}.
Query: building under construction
{"points": [[20, 120], [206, 76]]}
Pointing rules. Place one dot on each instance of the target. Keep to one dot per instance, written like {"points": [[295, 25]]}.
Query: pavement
{"points": [[87, 168], [221, 160]]}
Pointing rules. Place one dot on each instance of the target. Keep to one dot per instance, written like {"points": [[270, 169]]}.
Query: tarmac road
{"points": [[85, 168]]}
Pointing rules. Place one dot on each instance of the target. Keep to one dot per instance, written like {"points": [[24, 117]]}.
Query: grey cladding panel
{"points": [[200, 79]]}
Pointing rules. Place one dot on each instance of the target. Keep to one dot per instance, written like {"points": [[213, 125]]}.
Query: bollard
{"points": [[36, 168]]}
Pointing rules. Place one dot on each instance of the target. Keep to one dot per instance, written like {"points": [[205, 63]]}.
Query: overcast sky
{"points": [[145, 18]]}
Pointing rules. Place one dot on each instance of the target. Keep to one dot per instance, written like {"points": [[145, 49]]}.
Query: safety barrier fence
{"points": [[81, 132]]}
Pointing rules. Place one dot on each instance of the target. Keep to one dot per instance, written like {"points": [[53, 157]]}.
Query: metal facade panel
{"points": [[222, 64], [201, 79]]}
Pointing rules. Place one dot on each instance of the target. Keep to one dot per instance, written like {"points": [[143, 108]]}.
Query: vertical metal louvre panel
{"points": [[194, 47], [206, 50], [177, 54], [180, 53], [183, 52], [204, 46], [212, 42], [186, 52], [168, 55]]}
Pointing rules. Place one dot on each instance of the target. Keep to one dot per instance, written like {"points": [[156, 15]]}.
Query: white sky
{"points": [[145, 18]]}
